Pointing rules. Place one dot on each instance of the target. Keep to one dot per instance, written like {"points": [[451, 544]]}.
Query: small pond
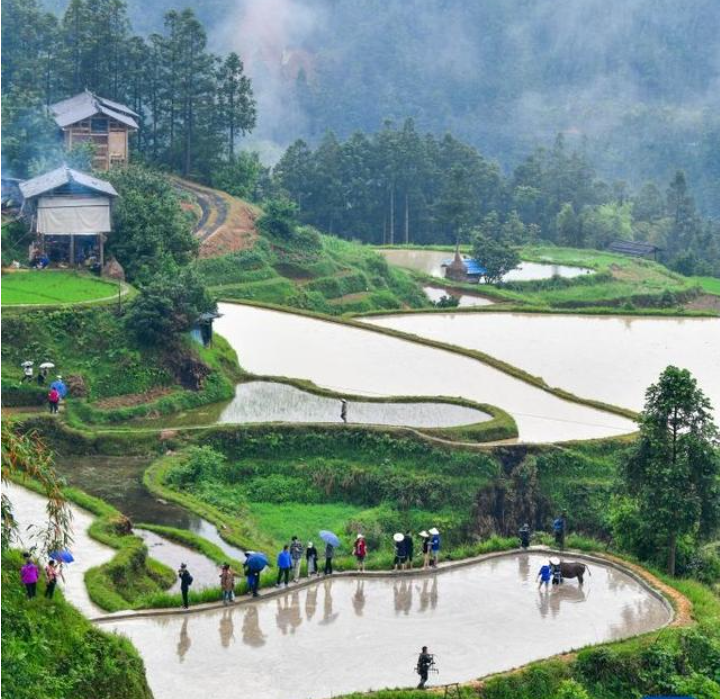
{"points": [[346, 635], [435, 293], [265, 401], [118, 480], [430, 262]]}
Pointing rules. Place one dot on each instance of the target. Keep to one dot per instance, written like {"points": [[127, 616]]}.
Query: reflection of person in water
{"points": [[252, 635], [184, 642], [282, 616], [328, 615], [311, 602], [524, 567], [425, 595], [550, 600], [403, 596], [434, 592], [226, 629], [359, 597], [294, 613]]}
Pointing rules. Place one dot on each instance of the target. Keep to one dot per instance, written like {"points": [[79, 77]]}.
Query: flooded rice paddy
{"points": [[612, 359], [264, 401], [347, 635], [430, 262], [362, 362], [118, 480], [435, 293]]}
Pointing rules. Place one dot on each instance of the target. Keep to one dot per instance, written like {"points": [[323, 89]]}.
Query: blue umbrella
{"points": [[63, 556], [329, 538], [257, 562]]}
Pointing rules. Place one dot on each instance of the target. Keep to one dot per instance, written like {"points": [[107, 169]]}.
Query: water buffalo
{"points": [[573, 569]]}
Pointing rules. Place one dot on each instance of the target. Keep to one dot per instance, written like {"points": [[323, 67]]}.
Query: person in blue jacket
{"points": [[284, 563], [544, 576], [434, 546]]}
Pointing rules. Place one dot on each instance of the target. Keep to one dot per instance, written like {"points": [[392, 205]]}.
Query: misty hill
{"points": [[639, 78]]}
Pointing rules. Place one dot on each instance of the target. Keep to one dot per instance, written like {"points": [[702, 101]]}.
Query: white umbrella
{"points": [[27, 363], [47, 365]]}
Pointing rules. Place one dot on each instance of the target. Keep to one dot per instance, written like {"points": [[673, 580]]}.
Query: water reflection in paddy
{"points": [[612, 359], [435, 293], [362, 362], [263, 401], [356, 635], [430, 262]]}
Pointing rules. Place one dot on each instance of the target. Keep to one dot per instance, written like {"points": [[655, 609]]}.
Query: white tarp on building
{"points": [[71, 215]]}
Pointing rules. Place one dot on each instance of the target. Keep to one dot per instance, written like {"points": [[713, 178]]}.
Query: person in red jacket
{"points": [[360, 551], [53, 400]]}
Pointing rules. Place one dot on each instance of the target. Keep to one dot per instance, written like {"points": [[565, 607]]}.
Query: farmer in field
{"points": [[424, 663], [544, 576], [296, 552]]}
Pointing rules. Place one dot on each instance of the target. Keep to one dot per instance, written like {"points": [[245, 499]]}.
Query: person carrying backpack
{"points": [[53, 400], [185, 581], [360, 551]]}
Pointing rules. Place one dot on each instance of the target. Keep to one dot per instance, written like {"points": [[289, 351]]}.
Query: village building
{"points": [[69, 214], [634, 249], [87, 118], [463, 269]]}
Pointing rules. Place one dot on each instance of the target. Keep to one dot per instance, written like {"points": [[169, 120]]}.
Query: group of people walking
{"points": [[30, 575], [405, 549], [58, 389]]}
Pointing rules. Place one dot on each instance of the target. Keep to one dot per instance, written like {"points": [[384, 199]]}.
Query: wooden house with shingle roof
{"points": [[88, 118]]}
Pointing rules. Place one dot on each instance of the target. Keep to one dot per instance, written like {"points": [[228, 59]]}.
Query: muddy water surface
{"points": [[430, 262], [612, 359], [348, 635], [435, 293], [118, 480], [362, 362], [264, 401]]}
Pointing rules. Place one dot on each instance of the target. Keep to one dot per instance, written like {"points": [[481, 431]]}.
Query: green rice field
{"points": [[50, 288]]}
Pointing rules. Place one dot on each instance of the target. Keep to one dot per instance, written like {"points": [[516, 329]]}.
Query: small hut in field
{"points": [[69, 213], [463, 269], [88, 118]]}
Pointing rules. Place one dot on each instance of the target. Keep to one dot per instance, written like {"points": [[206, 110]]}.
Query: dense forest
{"points": [[193, 104], [637, 78], [400, 186]]}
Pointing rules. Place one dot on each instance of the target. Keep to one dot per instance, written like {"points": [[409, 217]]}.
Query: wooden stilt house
{"points": [[87, 118], [69, 213]]}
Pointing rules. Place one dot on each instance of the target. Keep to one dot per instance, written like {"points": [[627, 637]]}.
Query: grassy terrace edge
{"points": [[505, 367]]}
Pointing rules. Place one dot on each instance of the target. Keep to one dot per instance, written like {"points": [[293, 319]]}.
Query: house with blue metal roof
{"points": [[463, 269]]}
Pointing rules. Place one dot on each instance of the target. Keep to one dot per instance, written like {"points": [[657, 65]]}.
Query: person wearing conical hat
{"points": [[400, 554], [426, 548], [434, 546]]}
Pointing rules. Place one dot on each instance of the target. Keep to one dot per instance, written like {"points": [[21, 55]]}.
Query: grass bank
{"points": [[50, 650], [313, 271]]}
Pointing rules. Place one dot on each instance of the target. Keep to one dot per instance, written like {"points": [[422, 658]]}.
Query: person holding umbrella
{"points": [[254, 564], [52, 571], [27, 368], [60, 386], [185, 581], [331, 542], [43, 373]]}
